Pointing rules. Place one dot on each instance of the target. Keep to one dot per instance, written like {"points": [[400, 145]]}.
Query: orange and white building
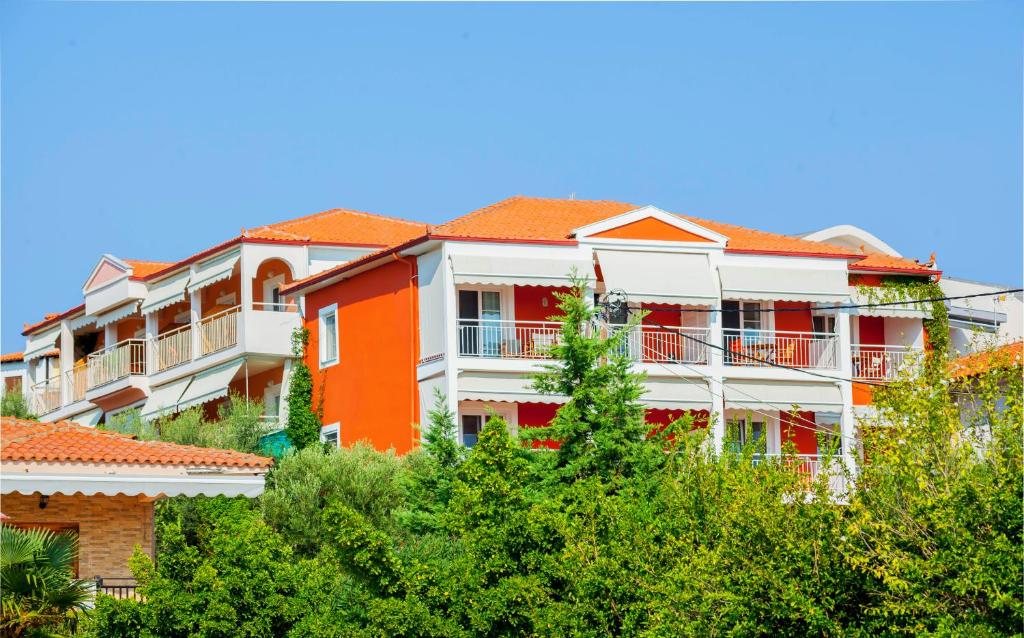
{"points": [[742, 323], [162, 337]]}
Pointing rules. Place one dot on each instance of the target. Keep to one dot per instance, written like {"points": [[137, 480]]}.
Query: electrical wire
{"points": [[845, 306]]}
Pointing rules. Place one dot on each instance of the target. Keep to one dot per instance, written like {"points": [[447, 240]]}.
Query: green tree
{"points": [[38, 592], [14, 404], [303, 427], [601, 427]]}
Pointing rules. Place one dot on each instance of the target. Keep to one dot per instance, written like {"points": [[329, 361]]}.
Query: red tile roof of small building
{"points": [[66, 442], [11, 357], [976, 363]]}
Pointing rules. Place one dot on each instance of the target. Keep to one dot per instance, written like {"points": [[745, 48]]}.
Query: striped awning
{"points": [[166, 292], [759, 283], [212, 271]]}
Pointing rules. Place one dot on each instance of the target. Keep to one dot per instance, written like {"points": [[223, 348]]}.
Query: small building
{"points": [[15, 371], [101, 485]]}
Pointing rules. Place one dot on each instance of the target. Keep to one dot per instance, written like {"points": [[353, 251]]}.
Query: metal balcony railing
{"points": [[172, 348], [501, 339], [219, 332], [116, 362], [650, 345], [45, 396], [882, 363], [77, 379], [768, 348], [808, 467]]}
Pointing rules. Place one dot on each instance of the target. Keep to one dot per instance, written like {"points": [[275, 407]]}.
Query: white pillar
{"points": [[196, 314], [247, 272], [152, 328], [847, 427], [109, 334], [451, 336], [716, 364], [67, 362]]}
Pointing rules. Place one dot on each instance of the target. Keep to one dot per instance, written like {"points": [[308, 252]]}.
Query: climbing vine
{"points": [[910, 290], [303, 426]]}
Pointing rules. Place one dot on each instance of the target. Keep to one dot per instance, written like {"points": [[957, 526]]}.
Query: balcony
{"points": [[683, 345], [219, 332], [45, 396], [116, 362], [808, 467], [772, 348], [501, 339], [882, 363], [172, 348]]}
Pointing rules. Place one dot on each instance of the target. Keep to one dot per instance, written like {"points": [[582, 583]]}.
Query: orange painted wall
{"points": [[796, 316], [211, 293], [372, 390], [128, 328], [872, 330], [651, 228], [665, 315], [862, 394], [802, 435], [165, 317], [529, 302], [276, 266], [257, 383]]}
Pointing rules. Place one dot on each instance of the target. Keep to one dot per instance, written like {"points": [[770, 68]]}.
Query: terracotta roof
{"points": [[536, 218], [142, 269], [342, 226], [20, 356], [22, 440], [980, 362]]}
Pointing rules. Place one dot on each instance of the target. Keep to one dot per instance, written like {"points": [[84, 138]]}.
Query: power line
{"points": [[813, 427], [844, 306], [765, 360]]}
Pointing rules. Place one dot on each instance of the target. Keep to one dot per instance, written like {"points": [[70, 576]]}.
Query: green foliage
{"points": [[239, 426], [14, 404], [38, 592], [626, 533], [303, 426], [306, 482], [601, 428], [235, 577]]}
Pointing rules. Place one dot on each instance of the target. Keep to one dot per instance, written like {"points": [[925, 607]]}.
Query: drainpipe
{"points": [[413, 285]]}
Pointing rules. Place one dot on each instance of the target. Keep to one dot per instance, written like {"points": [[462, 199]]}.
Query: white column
{"points": [[152, 327], [67, 362], [847, 427], [247, 273], [196, 314], [109, 334], [451, 334]]}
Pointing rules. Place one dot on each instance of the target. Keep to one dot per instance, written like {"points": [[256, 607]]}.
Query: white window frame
{"points": [[484, 409], [333, 428], [268, 288], [322, 343]]}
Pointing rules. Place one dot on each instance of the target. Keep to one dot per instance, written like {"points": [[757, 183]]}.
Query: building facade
{"points": [[162, 337], [739, 323]]}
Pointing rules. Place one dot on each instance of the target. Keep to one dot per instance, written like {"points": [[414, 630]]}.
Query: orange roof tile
{"points": [[536, 218], [22, 440], [12, 356], [142, 269], [342, 226], [980, 362]]}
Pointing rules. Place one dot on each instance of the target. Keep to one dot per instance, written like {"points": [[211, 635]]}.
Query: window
{"points": [[748, 433], [480, 329], [824, 324], [472, 424], [328, 335], [331, 434], [830, 440]]}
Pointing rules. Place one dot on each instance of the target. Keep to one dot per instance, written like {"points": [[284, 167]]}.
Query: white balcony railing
{"points": [[219, 332], [172, 348], [77, 379], [684, 345], [116, 362], [881, 363], [808, 467], [501, 339], [767, 348], [45, 396]]}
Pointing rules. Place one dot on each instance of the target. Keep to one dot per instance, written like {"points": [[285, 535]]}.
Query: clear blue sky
{"points": [[153, 130]]}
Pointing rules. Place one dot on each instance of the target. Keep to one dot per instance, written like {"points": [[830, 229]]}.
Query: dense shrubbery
{"points": [[14, 404], [239, 426], [616, 533]]}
